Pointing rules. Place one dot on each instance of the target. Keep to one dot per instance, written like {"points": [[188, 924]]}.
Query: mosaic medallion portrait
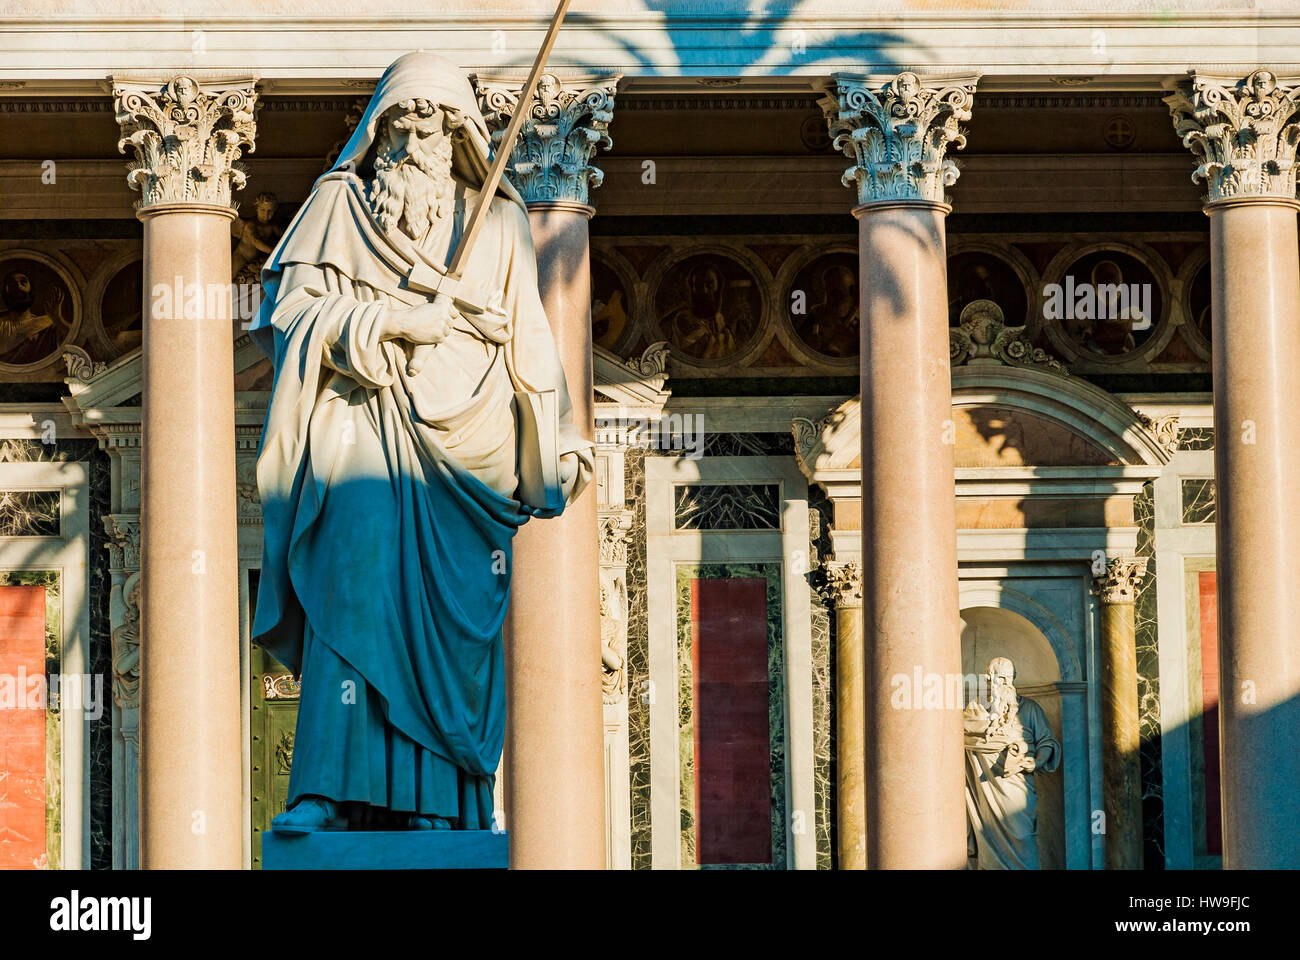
{"points": [[1198, 304], [610, 305], [1107, 303], [37, 312], [708, 307], [824, 305], [120, 312]]}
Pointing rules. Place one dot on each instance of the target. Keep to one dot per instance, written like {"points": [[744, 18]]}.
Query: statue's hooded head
{"points": [[423, 110]]}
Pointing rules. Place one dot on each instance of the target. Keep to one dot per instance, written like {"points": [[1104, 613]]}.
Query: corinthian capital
{"points": [[187, 139], [1119, 583], [566, 122], [844, 584], [898, 134], [1243, 133]]}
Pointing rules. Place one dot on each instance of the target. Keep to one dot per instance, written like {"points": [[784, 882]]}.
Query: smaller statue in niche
{"points": [[1008, 743], [255, 237]]}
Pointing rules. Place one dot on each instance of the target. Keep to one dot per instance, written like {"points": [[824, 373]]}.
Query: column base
{"points": [[387, 850]]}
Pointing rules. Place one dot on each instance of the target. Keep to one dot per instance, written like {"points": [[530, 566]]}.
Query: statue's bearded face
{"points": [[413, 185]]}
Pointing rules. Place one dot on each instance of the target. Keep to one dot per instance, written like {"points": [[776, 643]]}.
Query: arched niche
{"points": [[989, 632]]}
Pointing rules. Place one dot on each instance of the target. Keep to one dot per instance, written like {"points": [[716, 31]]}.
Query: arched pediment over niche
{"points": [[1002, 417]]}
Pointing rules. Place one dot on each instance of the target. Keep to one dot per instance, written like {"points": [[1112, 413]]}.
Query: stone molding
{"points": [[1243, 132], [567, 121], [1119, 584], [898, 134], [187, 139]]}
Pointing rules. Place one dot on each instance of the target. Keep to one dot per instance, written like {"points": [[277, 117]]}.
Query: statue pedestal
{"points": [[387, 850]]}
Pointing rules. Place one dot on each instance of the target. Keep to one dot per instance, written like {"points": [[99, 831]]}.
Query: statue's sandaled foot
{"points": [[309, 815], [418, 822]]}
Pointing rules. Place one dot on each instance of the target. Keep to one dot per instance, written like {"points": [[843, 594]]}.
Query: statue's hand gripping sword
{"points": [[449, 285]]}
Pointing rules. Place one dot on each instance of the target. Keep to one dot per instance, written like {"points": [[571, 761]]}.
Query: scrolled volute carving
{"points": [[187, 139], [1243, 132], [1164, 429], [898, 135], [81, 366]]}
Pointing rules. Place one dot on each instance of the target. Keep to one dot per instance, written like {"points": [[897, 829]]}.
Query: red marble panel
{"points": [[733, 772], [22, 727], [1207, 585]]}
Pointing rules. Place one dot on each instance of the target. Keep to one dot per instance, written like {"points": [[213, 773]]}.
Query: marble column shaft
{"points": [[850, 793], [1120, 724], [186, 140], [554, 755], [1244, 132], [897, 135]]}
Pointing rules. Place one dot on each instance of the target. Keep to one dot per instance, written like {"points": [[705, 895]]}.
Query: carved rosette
{"points": [[1243, 132], [982, 334], [187, 139], [566, 123], [844, 584], [1119, 584], [898, 135]]}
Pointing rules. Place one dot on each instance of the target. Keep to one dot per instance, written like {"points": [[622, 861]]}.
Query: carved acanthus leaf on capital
{"points": [[898, 134], [844, 584], [187, 139], [566, 123], [1243, 132], [1119, 584]]}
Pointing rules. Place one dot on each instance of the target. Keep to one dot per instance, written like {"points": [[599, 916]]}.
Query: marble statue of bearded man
{"points": [[1007, 744], [389, 490]]}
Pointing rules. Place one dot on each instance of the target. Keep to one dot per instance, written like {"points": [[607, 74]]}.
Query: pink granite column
{"points": [[185, 139], [555, 748], [1244, 134], [897, 135]]}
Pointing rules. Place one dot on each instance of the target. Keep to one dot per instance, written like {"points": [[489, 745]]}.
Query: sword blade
{"points": [[506, 145]]}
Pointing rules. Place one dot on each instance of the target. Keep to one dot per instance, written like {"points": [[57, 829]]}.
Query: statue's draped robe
{"points": [[387, 504], [1002, 812]]}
